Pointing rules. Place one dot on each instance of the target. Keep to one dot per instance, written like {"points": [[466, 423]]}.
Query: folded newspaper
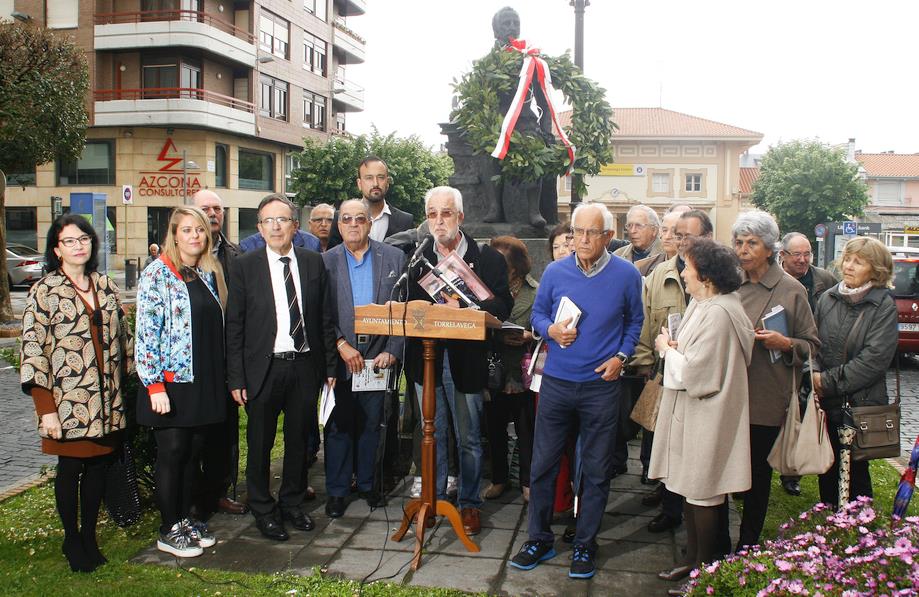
{"points": [[460, 275]]}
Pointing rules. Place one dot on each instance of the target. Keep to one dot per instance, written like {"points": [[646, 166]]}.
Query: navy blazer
{"points": [[251, 323], [388, 263]]}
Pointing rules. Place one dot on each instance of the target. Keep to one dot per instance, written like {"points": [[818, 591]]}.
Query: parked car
{"points": [[906, 294], [24, 265]]}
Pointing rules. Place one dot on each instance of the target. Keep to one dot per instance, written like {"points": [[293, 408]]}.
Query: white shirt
{"points": [[380, 224], [283, 342]]}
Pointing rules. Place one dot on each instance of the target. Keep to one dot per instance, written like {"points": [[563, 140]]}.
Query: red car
{"points": [[906, 294]]}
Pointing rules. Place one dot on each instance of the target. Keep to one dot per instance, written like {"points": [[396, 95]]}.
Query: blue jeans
{"points": [[467, 416], [595, 405]]}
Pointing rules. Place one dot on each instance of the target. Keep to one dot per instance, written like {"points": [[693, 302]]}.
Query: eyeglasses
{"points": [[635, 226], [359, 219], [590, 233], [799, 254], [207, 209], [681, 237], [70, 242], [445, 214], [280, 220], [325, 220]]}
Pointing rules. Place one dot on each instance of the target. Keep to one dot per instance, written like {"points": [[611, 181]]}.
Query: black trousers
{"points": [[756, 499], [290, 387], [219, 461], [499, 411]]}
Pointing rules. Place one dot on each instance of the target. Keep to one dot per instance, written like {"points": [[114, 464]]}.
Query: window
{"points": [[191, 79], [314, 54], [248, 222], [221, 153], [95, 167], [314, 107], [63, 14], [568, 183], [274, 34], [291, 163], [316, 7], [274, 97], [157, 224], [693, 183], [340, 122], [21, 227], [20, 179], [660, 182], [160, 80], [888, 192], [256, 170]]}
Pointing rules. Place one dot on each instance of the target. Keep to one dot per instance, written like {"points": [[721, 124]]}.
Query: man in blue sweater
{"points": [[580, 381]]}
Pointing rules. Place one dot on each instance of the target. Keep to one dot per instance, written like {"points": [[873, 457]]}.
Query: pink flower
{"points": [[783, 566], [709, 590]]}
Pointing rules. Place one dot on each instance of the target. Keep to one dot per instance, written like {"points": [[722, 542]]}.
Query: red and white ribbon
{"points": [[532, 64]]}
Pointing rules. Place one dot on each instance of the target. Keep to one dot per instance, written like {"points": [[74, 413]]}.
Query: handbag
{"points": [[803, 446], [877, 427], [495, 371], [649, 404], [121, 496]]}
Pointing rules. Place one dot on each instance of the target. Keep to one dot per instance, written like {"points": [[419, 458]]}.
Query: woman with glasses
{"points": [[74, 343], [180, 361]]}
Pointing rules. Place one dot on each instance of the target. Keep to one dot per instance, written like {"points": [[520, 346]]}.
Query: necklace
{"points": [[89, 284]]}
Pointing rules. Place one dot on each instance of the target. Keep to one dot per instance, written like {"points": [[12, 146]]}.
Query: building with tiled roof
{"points": [[663, 157], [893, 183]]}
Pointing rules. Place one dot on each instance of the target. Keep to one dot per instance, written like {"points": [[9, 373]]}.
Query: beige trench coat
{"points": [[702, 438]]}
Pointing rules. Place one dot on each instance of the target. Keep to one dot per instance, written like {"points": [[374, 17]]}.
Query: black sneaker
{"points": [[532, 553], [582, 562]]}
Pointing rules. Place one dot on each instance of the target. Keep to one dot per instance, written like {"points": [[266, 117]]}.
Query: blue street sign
{"points": [[849, 228]]}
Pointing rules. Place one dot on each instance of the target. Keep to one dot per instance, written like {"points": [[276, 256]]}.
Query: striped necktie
{"points": [[293, 306]]}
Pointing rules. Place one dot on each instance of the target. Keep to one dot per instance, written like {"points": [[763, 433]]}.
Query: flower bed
{"points": [[847, 553]]}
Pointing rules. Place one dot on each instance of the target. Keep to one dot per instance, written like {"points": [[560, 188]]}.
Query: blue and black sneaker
{"points": [[532, 553], [582, 562]]}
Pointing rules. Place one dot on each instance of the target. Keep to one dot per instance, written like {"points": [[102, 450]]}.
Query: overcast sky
{"points": [[803, 69]]}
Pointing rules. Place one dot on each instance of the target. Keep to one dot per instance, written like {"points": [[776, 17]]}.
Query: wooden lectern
{"points": [[431, 322]]}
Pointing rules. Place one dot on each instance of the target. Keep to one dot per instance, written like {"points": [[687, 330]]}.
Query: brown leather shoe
{"points": [[228, 506], [471, 522]]}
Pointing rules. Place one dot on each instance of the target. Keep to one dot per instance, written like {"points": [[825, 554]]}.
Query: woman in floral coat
{"points": [[180, 362], [74, 343]]}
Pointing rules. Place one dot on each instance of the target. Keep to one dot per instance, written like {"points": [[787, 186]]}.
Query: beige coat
{"points": [[626, 251], [702, 438], [771, 383], [662, 295]]}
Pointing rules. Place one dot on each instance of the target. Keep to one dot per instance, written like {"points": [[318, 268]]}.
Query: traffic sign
{"points": [[820, 230], [127, 194], [850, 227]]}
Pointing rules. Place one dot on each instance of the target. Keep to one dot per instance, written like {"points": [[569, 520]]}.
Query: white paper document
{"points": [[326, 404], [369, 381], [566, 309]]}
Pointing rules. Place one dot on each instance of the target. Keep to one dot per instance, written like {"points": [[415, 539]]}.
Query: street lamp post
{"points": [[579, 6], [186, 164]]}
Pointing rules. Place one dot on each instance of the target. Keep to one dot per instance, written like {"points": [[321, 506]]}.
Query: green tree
{"points": [[804, 183], [43, 85], [328, 170]]}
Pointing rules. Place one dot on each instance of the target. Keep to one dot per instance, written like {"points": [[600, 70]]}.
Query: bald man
{"points": [[220, 457]]}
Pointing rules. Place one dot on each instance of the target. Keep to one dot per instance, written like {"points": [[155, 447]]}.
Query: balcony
{"points": [[351, 8], [167, 28], [173, 107], [348, 45], [347, 97]]}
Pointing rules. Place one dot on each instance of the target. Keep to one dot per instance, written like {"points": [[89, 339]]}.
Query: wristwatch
{"points": [[622, 356]]}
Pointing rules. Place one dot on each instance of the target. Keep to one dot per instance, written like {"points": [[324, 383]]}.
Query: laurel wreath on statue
{"points": [[528, 158]]}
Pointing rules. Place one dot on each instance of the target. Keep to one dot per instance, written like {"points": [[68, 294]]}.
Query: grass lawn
{"points": [[884, 478], [31, 562]]}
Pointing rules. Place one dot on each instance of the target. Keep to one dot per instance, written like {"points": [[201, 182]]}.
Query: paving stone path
{"points": [[21, 459]]}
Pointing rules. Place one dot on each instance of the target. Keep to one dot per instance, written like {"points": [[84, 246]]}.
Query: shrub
{"points": [[848, 553]]}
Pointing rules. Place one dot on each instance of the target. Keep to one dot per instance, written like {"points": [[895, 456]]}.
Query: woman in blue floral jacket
{"points": [[180, 360]]}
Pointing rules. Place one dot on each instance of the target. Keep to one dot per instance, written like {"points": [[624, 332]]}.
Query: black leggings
{"points": [[177, 454], [79, 485]]}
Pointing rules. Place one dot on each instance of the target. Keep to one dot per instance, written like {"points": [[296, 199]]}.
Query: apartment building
{"points": [[185, 95]]}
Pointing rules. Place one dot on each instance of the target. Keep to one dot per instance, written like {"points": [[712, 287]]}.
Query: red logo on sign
{"points": [[171, 161], [170, 180]]}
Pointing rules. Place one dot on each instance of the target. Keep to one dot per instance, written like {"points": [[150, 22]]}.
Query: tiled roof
{"points": [[889, 164], [659, 122], [747, 177]]}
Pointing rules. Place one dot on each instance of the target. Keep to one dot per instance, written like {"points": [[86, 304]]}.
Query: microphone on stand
{"points": [[419, 252]]}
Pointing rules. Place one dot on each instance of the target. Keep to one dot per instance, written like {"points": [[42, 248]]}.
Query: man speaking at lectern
{"points": [[461, 365], [361, 271]]}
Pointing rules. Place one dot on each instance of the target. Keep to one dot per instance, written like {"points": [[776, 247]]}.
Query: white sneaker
{"points": [[416, 488], [197, 530], [179, 543], [452, 486]]}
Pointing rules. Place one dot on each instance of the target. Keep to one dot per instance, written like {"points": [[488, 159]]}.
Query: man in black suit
{"points": [[373, 180], [280, 349], [220, 457]]}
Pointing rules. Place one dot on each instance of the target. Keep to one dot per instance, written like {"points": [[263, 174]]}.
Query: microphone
{"points": [[424, 244]]}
